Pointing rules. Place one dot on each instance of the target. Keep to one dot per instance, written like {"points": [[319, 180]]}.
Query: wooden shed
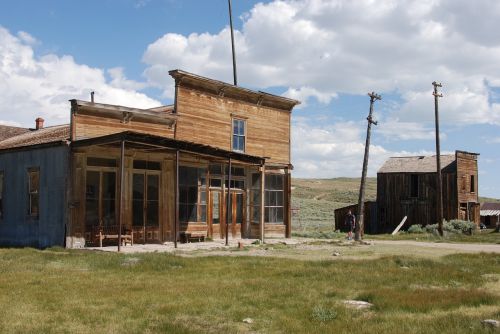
{"points": [[490, 215], [407, 186], [215, 163], [370, 217]]}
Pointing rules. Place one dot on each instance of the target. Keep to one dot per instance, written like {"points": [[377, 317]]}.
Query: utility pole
{"points": [[235, 79], [361, 201], [438, 160]]}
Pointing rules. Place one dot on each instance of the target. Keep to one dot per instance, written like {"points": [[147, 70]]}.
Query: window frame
{"points": [[33, 193], [271, 192], [472, 187], [243, 121]]}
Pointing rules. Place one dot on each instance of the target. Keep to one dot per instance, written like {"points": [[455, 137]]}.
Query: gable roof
{"points": [[418, 164], [7, 131], [50, 134]]}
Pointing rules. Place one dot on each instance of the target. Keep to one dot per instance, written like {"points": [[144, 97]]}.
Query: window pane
{"points": [[152, 214], [236, 125], [192, 213], [109, 185], [138, 212], [241, 128], [203, 213], [34, 204], [138, 186], [153, 185], [108, 212], [215, 182], [101, 162]]}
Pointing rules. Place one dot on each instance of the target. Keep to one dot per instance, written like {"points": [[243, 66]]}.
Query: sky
{"points": [[327, 54]]}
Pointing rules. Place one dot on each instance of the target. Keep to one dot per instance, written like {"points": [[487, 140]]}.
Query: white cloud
{"points": [[319, 48], [34, 86]]}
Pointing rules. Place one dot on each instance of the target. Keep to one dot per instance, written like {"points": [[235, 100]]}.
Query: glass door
{"points": [[145, 206], [100, 203]]}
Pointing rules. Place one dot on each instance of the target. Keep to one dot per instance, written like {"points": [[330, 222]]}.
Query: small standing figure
{"points": [[350, 221]]}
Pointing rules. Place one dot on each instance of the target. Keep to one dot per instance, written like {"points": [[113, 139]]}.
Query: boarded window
{"points": [[274, 199], [192, 194], [414, 185], [1, 195], [33, 192], [472, 184], [239, 135]]}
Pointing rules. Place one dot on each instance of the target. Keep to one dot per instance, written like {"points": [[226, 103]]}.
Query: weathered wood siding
{"points": [[369, 221], [17, 228], [207, 119], [395, 201], [87, 126]]}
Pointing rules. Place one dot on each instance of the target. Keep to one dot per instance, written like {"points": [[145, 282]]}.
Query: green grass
{"points": [[318, 198], [484, 236], [60, 291]]}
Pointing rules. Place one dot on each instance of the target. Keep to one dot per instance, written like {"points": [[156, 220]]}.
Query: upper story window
{"points": [[239, 126], [472, 184], [33, 191]]}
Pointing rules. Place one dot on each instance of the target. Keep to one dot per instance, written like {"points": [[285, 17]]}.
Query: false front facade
{"points": [[215, 164]]}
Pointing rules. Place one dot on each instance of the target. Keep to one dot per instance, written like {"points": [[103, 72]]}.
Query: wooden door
{"points": [[100, 202], [145, 206], [238, 214], [215, 215]]}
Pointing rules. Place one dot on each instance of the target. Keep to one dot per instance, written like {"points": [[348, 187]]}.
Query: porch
{"points": [[147, 189]]}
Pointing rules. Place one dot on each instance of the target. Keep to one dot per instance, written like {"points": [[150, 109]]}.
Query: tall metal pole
{"points": [[438, 160], [361, 201], [235, 79]]}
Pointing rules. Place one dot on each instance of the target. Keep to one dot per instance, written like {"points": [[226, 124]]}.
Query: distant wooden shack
{"points": [[216, 161], [370, 217], [490, 214], [407, 186]]}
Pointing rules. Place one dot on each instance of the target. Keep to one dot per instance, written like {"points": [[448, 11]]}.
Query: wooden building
{"points": [[490, 215], [369, 217], [407, 186], [215, 163]]}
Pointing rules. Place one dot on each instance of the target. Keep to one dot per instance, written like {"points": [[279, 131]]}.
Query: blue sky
{"points": [[328, 54]]}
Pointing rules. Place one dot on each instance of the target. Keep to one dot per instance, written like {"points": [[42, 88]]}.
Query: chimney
{"points": [[92, 96], [39, 123]]}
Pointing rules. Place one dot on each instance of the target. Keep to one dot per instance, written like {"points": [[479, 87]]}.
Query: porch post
{"points": [[120, 200], [229, 207], [176, 220], [288, 198], [262, 200]]}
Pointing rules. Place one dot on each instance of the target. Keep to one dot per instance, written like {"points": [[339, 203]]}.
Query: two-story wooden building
{"points": [[407, 186], [215, 163]]}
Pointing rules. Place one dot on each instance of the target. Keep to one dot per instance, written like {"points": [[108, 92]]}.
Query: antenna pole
{"points": [[361, 202], [438, 160], [232, 43]]}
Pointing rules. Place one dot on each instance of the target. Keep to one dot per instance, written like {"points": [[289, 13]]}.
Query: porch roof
{"points": [[168, 143]]}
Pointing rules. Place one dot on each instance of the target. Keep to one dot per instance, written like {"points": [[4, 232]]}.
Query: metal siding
{"points": [[17, 228]]}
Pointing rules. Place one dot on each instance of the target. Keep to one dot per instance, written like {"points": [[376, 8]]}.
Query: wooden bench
{"points": [[186, 237], [126, 238]]}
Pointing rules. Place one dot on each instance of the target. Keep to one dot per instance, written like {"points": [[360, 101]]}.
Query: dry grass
{"points": [[58, 291]]}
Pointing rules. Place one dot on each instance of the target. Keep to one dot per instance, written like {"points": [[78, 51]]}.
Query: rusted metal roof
{"points": [[7, 131], [416, 164], [50, 134], [490, 209]]}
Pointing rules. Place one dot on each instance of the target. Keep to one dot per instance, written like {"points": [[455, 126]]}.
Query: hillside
{"points": [[317, 198]]}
